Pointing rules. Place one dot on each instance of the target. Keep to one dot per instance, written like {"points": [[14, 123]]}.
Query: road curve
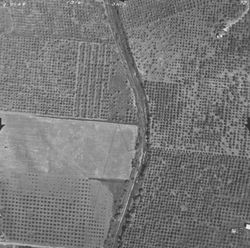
{"points": [[140, 99]]}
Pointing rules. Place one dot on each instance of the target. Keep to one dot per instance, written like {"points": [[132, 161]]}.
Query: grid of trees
{"points": [[59, 59]]}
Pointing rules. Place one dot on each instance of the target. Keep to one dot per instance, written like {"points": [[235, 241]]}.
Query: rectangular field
{"points": [[86, 148]]}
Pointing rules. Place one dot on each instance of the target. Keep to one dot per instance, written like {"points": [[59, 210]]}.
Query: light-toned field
{"points": [[50, 192], [83, 148]]}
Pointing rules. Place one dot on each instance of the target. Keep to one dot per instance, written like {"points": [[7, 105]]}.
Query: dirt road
{"points": [[141, 103]]}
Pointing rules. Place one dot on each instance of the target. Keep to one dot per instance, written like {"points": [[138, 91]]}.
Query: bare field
{"points": [[84, 148]]}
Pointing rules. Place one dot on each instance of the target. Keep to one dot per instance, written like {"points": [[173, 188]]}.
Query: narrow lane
{"points": [[141, 103]]}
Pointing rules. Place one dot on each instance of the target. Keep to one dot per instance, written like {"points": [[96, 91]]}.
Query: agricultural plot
{"points": [[90, 149], [103, 90], [81, 20], [59, 59], [60, 180], [197, 84], [194, 189], [45, 209], [190, 199], [6, 23]]}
